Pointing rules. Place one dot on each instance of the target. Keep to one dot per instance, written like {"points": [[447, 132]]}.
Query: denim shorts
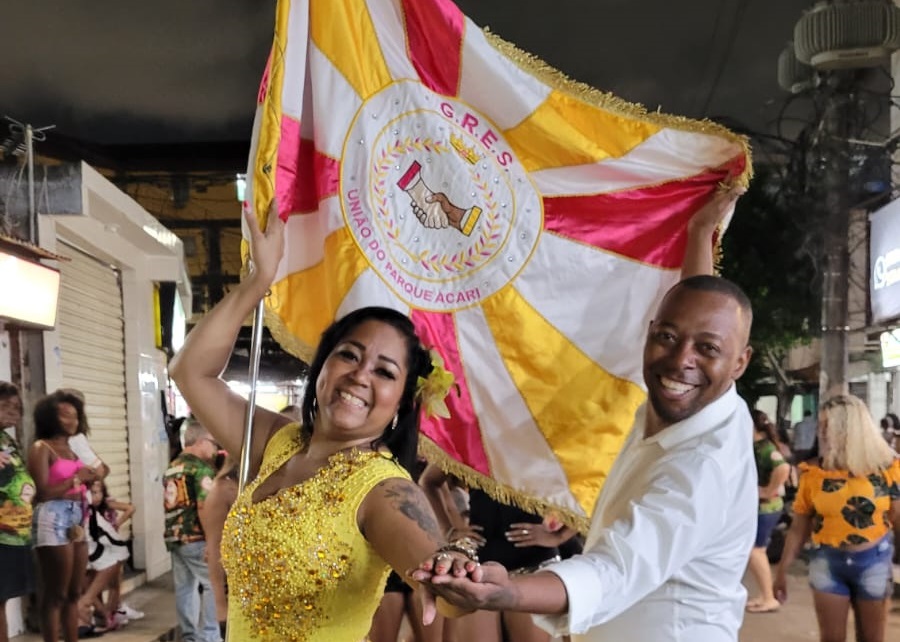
{"points": [[864, 575], [765, 524], [53, 521]]}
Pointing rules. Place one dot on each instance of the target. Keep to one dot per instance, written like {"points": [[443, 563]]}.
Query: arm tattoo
{"points": [[410, 501]]}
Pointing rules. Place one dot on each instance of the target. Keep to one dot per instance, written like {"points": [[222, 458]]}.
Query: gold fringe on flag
{"points": [[497, 491], [287, 339], [607, 101]]}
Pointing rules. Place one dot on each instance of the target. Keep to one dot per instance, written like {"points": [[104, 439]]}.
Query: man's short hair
{"points": [[194, 432], [710, 283]]}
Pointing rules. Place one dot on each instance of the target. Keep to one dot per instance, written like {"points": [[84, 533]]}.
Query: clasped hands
{"points": [[436, 211], [462, 583]]}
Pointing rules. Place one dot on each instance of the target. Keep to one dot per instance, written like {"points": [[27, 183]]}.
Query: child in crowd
{"points": [[107, 553]]}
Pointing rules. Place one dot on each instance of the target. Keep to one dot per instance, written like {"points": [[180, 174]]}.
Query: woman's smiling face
{"points": [[362, 381]]}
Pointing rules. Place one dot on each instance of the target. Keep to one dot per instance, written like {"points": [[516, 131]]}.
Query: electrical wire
{"points": [[726, 54]]}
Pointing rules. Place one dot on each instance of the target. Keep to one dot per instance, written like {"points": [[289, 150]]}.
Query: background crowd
{"points": [[59, 537]]}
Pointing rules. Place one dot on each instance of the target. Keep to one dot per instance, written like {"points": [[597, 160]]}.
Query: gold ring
{"points": [[524, 531]]}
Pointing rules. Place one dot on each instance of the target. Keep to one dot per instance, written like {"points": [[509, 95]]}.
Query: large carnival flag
{"points": [[527, 224]]}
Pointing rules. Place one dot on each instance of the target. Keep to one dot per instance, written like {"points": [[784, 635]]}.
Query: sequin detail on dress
{"points": [[291, 554]]}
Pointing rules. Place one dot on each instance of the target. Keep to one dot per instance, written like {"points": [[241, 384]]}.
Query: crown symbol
{"points": [[468, 154]]}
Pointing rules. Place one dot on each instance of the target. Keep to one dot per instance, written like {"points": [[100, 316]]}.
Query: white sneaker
{"points": [[118, 620], [130, 613]]}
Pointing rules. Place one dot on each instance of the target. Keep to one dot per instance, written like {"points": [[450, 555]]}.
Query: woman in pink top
{"points": [[59, 513]]}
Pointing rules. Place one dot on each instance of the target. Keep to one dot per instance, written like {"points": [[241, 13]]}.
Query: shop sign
{"points": [[890, 348], [884, 253], [29, 292]]}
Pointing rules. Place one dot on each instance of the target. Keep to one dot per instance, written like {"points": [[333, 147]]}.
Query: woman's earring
{"points": [[315, 409], [394, 422]]}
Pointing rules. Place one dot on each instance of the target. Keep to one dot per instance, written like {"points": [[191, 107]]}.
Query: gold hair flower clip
{"points": [[431, 391]]}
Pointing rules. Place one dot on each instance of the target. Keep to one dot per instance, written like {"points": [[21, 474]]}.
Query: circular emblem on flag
{"points": [[435, 198]]}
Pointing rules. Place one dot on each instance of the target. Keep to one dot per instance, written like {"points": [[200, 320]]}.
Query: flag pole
{"points": [[253, 374]]}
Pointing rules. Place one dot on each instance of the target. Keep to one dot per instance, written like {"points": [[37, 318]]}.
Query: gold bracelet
{"points": [[464, 545]]}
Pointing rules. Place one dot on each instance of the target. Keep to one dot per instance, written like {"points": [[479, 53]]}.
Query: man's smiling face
{"points": [[696, 347]]}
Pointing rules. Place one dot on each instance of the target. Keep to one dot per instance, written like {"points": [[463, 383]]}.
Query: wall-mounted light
{"points": [[29, 292]]}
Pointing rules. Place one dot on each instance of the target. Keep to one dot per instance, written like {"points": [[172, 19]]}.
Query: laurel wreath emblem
{"points": [[490, 233]]}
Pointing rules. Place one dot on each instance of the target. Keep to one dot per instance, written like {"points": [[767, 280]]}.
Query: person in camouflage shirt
{"points": [[16, 494], [186, 483]]}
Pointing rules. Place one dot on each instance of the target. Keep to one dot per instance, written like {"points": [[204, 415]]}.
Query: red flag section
{"points": [[646, 224], [311, 176], [460, 435], [435, 33]]}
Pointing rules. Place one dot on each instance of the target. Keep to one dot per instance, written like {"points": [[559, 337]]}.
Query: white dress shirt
{"points": [[670, 535]]}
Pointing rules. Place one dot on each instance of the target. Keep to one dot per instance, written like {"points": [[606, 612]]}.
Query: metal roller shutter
{"points": [[92, 341]]}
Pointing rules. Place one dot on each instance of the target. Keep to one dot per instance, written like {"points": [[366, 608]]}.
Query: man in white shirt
{"points": [[676, 518]]}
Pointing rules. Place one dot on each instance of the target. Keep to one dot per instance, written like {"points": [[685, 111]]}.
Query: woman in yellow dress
{"points": [[331, 508]]}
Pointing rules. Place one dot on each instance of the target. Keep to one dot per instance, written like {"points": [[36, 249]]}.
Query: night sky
{"points": [[186, 71]]}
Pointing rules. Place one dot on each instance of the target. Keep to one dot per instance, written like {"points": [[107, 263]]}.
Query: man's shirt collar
{"points": [[707, 419]]}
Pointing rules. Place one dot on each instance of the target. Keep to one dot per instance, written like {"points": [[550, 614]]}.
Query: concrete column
{"points": [[147, 442]]}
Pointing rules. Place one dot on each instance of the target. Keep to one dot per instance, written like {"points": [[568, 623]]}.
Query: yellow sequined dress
{"points": [[298, 568]]}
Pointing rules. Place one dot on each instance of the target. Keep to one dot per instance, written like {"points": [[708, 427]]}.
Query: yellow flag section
{"points": [[268, 134], [549, 363], [267, 130], [323, 287], [565, 131], [343, 31]]}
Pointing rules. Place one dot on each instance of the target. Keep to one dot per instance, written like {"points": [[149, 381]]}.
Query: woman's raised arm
{"points": [[197, 367]]}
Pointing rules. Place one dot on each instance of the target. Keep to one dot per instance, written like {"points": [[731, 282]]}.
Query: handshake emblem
{"points": [[434, 209]]}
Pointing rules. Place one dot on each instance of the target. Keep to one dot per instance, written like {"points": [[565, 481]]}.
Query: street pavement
{"points": [[157, 600], [795, 621]]}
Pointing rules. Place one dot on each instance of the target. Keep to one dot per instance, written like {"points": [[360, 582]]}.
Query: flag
{"points": [[528, 225]]}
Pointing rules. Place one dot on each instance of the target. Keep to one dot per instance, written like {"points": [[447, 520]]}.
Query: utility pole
{"points": [[839, 119], [29, 160], [21, 143], [832, 41]]}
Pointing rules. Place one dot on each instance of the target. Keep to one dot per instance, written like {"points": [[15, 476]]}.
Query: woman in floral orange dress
{"points": [[847, 503]]}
